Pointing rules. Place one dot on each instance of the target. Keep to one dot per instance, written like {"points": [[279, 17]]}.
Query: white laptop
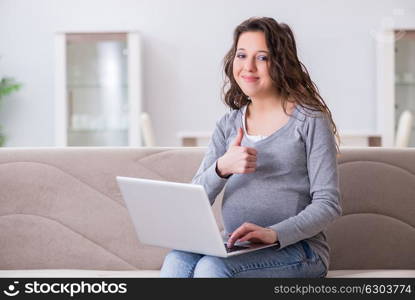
{"points": [[177, 216]]}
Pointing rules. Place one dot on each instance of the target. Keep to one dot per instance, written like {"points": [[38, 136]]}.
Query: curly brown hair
{"points": [[289, 75]]}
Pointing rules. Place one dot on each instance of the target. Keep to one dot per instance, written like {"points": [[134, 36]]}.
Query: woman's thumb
{"points": [[238, 139]]}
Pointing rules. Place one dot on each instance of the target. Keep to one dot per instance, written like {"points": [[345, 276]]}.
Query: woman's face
{"points": [[251, 65]]}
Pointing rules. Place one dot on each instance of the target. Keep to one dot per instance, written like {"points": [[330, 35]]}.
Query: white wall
{"points": [[184, 42]]}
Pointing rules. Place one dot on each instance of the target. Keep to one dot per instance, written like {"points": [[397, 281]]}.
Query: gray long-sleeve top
{"points": [[294, 189]]}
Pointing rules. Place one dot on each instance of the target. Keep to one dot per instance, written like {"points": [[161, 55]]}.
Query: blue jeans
{"points": [[296, 260]]}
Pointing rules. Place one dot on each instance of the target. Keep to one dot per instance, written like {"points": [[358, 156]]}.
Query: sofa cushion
{"points": [[372, 273], [74, 273], [68, 273], [60, 208]]}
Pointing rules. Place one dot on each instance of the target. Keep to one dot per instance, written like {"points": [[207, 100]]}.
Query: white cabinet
{"points": [[395, 78], [98, 89]]}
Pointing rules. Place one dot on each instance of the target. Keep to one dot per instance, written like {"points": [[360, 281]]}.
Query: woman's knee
{"points": [[179, 264], [211, 266], [178, 255]]}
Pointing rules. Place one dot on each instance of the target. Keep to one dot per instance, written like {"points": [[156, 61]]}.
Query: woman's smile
{"points": [[250, 79]]}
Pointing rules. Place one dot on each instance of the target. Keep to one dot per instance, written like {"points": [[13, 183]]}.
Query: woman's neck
{"points": [[265, 106]]}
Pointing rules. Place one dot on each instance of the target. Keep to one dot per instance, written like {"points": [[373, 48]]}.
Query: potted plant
{"points": [[7, 85]]}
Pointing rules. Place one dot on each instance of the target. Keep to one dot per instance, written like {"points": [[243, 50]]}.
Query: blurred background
{"points": [[149, 72]]}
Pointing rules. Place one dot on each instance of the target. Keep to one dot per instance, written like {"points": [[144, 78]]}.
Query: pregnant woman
{"points": [[275, 154]]}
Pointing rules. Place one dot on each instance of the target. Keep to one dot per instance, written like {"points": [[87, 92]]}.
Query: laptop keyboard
{"points": [[235, 248]]}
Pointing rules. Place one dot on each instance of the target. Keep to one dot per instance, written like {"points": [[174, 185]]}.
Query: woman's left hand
{"points": [[253, 233]]}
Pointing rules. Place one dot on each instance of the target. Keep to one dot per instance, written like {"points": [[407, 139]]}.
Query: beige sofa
{"points": [[62, 215]]}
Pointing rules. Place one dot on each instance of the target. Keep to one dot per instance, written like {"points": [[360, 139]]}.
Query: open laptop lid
{"points": [[172, 215]]}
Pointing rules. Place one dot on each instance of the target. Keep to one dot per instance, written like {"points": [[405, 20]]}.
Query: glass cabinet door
{"points": [[97, 89], [405, 79]]}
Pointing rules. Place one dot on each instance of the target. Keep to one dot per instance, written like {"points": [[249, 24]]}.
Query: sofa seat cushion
{"points": [[73, 273], [371, 273], [76, 273]]}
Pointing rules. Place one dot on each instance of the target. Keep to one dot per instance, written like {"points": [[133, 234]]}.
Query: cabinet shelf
{"points": [[405, 83], [97, 130], [94, 86]]}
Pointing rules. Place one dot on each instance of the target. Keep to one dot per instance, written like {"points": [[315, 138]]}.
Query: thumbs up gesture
{"points": [[238, 159]]}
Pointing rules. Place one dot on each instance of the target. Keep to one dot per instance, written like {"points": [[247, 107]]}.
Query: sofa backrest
{"points": [[377, 228], [60, 208]]}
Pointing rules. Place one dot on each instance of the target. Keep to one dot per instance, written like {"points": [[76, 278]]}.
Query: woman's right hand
{"points": [[238, 159]]}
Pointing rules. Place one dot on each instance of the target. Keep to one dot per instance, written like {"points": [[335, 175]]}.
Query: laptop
{"points": [[178, 216]]}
